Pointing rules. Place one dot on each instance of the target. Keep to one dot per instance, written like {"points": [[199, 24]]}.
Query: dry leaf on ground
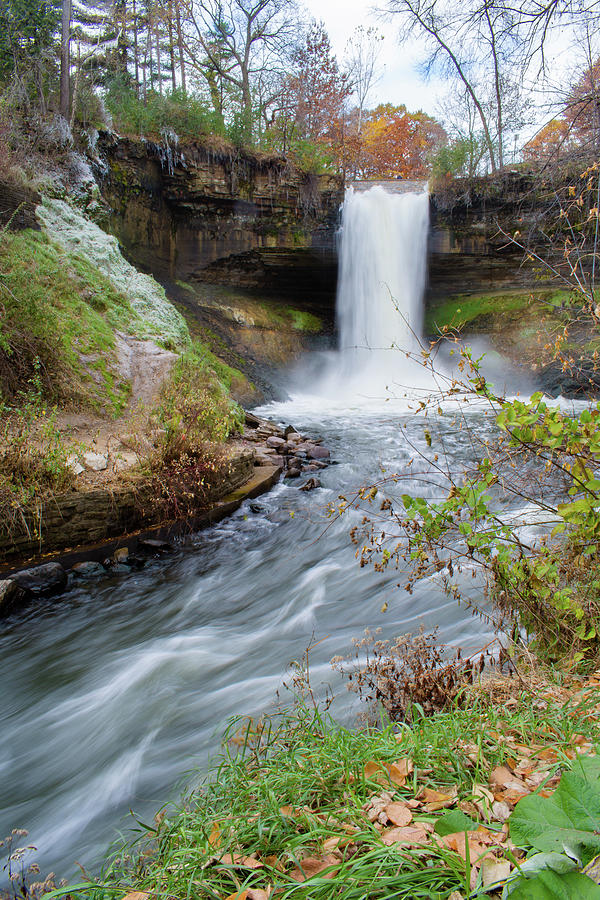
{"points": [[435, 800], [137, 895], [405, 836], [494, 871], [312, 865], [247, 862], [398, 813]]}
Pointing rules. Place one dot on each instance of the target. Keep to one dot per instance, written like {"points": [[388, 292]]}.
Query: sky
{"points": [[401, 82]]}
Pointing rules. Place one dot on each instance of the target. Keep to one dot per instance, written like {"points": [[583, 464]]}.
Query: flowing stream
{"points": [[115, 690]]}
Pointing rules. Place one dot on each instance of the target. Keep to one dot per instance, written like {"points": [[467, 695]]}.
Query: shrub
{"points": [[184, 114]]}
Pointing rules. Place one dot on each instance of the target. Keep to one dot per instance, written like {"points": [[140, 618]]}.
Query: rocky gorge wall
{"points": [[223, 216], [470, 249]]}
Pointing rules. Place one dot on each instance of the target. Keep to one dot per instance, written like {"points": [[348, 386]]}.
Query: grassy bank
{"points": [[480, 312], [298, 806], [69, 360]]}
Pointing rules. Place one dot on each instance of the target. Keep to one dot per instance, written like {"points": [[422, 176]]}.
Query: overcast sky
{"points": [[401, 82]]}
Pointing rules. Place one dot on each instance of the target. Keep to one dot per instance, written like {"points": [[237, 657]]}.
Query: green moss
{"points": [[60, 309], [463, 310]]}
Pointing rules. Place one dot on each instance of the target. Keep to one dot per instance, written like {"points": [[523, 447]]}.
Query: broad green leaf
{"points": [[453, 821], [570, 819], [550, 886], [557, 862]]}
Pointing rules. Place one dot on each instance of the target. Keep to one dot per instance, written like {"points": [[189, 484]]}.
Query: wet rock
{"points": [[262, 459], [121, 555], [293, 473], [120, 569], [12, 596], [252, 421], [275, 443], [300, 454], [96, 462], [289, 432], [154, 545], [42, 581], [87, 568], [319, 453], [311, 484], [294, 438]]}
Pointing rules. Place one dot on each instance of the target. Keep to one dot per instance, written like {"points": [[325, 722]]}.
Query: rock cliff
{"points": [[470, 251]]}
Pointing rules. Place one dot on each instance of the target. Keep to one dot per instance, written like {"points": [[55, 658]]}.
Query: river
{"points": [[115, 690]]}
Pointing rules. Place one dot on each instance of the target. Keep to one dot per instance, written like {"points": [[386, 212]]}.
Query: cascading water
{"points": [[383, 259], [382, 274]]}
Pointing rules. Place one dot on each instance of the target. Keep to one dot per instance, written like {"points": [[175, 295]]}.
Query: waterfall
{"points": [[382, 273]]}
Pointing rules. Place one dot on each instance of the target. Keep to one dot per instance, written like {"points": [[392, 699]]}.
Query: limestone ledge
{"points": [[89, 517]]}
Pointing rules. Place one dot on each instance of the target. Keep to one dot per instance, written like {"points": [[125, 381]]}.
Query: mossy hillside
{"points": [[481, 312], [62, 311], [72, 231]]}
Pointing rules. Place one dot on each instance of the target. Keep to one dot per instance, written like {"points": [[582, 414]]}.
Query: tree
{"points": [[65, 58], [550, 142], [477, 44], [396, 142], [582, 107], [27, 33], [237, 41], [362, 54]]}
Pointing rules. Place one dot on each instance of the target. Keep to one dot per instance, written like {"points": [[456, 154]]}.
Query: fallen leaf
{"points": [[273, 861], [494, 871], [483, 799], [215, 836], [312, 865], [478, 842], [259, 893], [287, 812], [500, 811], [247, 862], [398, 813], [434, 800], [405, 836], [400, 770], [239, 895], [503, 778], [137, 895]]}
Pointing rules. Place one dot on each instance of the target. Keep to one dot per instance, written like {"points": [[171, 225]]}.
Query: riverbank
{"points": [[133, 524], [444, 806]]}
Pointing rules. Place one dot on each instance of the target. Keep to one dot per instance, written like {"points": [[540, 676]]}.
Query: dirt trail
{"points": [[146, 366]]}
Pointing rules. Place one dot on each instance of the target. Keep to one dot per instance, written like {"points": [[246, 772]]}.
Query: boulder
{"points": [[42, 581], [311, 484], [292, 473], [121, 555], [300, 454], [154, 545], [319, 453], [87, 568], [96, 462], [289, 432], [275, 443], [11, 596]]}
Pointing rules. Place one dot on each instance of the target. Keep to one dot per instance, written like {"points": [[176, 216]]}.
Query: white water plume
{"points": [[382, 275]]}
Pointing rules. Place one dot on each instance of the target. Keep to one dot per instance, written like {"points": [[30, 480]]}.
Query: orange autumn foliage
{"points": [[397, 142]]}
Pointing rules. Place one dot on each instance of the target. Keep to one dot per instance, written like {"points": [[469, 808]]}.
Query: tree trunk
{"points": [[65, 60], [180, 45]]}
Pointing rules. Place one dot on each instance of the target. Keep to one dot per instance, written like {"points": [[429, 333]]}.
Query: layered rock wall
{"points": [[82, 518], [471, 251], [222, 215]]}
